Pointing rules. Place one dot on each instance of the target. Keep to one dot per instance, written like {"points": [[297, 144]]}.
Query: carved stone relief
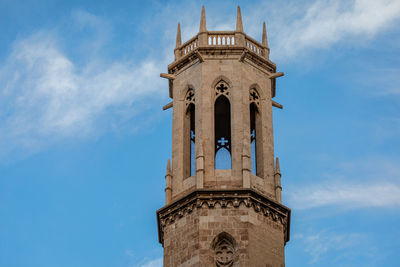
{"points": [[224, 246]]}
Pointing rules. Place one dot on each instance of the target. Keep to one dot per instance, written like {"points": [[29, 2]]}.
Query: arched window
{"points": [[189, 134], [255, 133], [253, 111], [225, 250], [222, 127]]}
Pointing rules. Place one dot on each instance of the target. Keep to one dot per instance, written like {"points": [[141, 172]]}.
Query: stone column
{"points": [[278, 187], [200, 167], [168, 186], [246, 164]]}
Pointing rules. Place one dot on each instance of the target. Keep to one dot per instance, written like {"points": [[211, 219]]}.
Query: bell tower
{"points": [[223, 190]]}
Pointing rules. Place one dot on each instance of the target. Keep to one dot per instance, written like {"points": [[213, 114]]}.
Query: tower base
{"points": [[224, 228]]}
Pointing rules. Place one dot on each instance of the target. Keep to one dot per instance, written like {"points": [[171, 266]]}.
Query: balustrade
{"points": [[189, 46], [253, 46], [222, 38]]}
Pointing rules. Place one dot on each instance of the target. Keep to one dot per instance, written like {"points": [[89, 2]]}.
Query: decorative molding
{"points": [[223, 198], [210, 52], [222, 88], [184, 61], [190, 97], [254, 97]]}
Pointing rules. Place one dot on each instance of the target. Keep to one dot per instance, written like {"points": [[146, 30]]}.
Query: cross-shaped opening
{"points": [[252, 135], [254, 95], [192, 135], [222, 88], [189, 145], [222, 127], [223, 141], [256, 140], [190, 96]]}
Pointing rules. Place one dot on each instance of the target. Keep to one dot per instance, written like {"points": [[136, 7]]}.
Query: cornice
{"points": [[222, 199], [226, 52], [207, 51], [177, 65]]}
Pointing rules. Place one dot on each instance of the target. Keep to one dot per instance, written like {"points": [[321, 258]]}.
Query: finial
{"points": [[264, 36], [178, 36], [239, 24], [168, 172], [277, 167], [203, 27]]}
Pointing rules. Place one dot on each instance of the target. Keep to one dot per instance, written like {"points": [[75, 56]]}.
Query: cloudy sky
{"points": [[84, 142]]}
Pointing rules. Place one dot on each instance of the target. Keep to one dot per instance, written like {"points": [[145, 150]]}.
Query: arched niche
{"points": [[189, 135], [256, 133], [222, 126], [225, 249]]}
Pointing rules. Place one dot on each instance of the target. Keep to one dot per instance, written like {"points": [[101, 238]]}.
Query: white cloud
{"points": [[382, 81], [153, 263], [326, 23], [372, 182], [98, 30], [317, 245], [298, 28], [46, 96], [129, 253], [346, 195]]}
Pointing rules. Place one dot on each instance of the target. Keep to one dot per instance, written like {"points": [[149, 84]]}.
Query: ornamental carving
{"points": [[221, 89], [199, 199], [189, 97], [254, 97], [225, 247]]}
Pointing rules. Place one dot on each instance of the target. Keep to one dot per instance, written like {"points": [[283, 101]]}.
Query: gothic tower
{"points": [[223, 189]]}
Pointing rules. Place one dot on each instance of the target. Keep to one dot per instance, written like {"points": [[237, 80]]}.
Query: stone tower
{"points": [[223, 189]]}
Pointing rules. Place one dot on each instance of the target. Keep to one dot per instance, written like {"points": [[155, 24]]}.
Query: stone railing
{"points": [[221, 39], [189, 46], [253, 45]]}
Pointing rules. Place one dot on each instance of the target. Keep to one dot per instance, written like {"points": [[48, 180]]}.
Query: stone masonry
{"points": [[222, 84]]}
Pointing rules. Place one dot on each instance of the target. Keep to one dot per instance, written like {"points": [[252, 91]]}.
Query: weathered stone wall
{"points": [[181, 241], [202, 78], [259, 239]]}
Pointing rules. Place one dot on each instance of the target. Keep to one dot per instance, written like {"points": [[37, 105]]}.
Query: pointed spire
{"points": [[277, 167], [203, 27], [239, 24], [264, 36], [178, 36], [168, 172]]}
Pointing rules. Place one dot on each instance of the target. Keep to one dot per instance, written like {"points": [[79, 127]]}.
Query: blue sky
{"points": [[84, 142]]}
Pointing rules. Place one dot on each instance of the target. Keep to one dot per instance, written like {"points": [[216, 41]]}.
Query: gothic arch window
{"points": [[222, 126], [255, 133], [225, 250], [189, 134]]}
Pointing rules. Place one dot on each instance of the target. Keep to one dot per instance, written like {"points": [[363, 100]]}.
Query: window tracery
{"points": [[189, 97], [222, 126], [190, 134], [221, 89], [254, 97], [255, 132], [224, 246]]}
